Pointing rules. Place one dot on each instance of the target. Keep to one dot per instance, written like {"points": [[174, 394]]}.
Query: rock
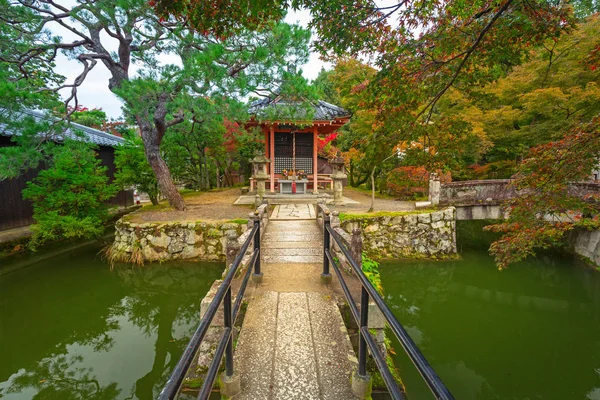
{"points": [[410, 219], [190, 237], [396, 221], [372, 228], [231, 233], [438, 224], [449, 214], [437, 216], [191, 252], [212, 232], [150, 254], [176, 247], [229, 225], [424, 218], [161, 241]]}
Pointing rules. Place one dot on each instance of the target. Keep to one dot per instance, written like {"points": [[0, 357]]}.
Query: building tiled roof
{"points": [[321, 110], [92, 135]]}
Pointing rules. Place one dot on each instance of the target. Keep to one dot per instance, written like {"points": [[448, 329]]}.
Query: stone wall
{"points": [[492, 191], [587, 244], [480, 212], [495, 191], [177, 240], [406, 236]]}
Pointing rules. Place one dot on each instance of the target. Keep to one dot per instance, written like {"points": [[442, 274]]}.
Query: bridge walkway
{"points": [[293, 343]]}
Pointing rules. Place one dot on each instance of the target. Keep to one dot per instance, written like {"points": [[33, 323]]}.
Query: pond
{"points": [[70, 328], [529, 332]]}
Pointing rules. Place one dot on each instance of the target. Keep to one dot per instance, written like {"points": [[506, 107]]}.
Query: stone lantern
{"points": [[259, 163], [338, 176]]}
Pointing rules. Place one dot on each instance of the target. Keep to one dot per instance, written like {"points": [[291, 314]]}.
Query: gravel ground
{"points": [[202, 206], [381, 204], [218, 205]]}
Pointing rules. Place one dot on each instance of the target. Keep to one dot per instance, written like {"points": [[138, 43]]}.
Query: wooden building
{"points": [[15, 211], [291, 130]]}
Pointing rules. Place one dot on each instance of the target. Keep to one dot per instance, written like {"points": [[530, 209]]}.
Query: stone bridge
{"points": [[482, 199]]}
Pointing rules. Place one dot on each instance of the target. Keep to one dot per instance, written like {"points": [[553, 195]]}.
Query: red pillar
{"points": [[272, 157], [315, 160]]}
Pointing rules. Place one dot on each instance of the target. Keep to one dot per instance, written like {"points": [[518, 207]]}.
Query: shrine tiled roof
{"points": [[319, 110], [89, 134]]}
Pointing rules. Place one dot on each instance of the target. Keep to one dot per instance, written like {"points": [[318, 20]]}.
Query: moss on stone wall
{"points": [[406, 235], [174, 241]]}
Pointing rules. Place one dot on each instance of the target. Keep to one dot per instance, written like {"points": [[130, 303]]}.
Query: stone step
{"points": [[291, 245], [290, 237], [293, 212], [299, 225], [293, 277], [313, 251], [303, 259]]}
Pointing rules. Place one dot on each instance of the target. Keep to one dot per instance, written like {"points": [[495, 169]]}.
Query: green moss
{"points": [[238, 221], [193, 383], [352, 217], [376, 378], [164, 206]]}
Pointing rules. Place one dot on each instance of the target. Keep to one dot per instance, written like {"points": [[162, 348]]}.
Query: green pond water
{"points": [[70, 328], [529, 332]]}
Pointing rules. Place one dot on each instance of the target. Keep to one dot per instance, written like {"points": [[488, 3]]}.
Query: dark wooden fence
{"points": [[16, 212]]}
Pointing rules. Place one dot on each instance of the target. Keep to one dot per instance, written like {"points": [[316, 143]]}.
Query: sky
{"points": [[94, 92]]}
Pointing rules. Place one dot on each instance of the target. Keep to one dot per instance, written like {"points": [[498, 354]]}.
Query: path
{"points": [[293, 343]]}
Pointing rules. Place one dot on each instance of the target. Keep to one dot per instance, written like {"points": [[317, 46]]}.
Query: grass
{"points": [[238, 221], [351, 216]]}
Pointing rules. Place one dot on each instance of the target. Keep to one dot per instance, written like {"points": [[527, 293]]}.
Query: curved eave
{"points": [[338, 122]]}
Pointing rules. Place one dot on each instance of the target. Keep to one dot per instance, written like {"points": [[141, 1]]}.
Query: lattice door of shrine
{"points": [[284, 151]]}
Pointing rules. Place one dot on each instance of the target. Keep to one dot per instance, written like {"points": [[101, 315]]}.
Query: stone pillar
{"points": [[435, 188], [356, 246], [259, 163], [232, 249], [335, 219], [338, 176]]}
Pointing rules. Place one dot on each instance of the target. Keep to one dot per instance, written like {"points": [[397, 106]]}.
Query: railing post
{"points": [[227, 316], [230, 383], [326, 275], [362, 344], [361, 381], [257, 275]]}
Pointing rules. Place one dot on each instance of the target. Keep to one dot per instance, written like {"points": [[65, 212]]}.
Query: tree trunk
{"points": [[218, 185], [151, 140], [163, 176], [206, 175], [372, 208]]}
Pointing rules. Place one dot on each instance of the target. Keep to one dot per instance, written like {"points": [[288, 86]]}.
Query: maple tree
{"points": [[537, 102], [546, 209]]}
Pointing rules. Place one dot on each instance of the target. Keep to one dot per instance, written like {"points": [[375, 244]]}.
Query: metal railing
{"points": [[225, 345], [361, 317]]}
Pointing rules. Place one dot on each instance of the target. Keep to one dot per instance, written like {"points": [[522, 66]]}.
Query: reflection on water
{"points": [[72, 329], [530, 332]]}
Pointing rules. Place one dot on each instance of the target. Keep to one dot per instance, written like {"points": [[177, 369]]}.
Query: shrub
{"points": [[411, 182], [69, 197]]}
